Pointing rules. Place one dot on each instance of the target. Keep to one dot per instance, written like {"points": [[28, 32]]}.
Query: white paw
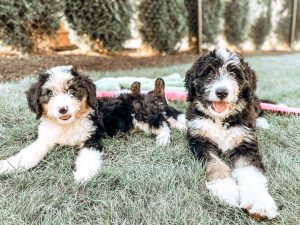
{"points": [[226, 190], [181, 127], [163, 134], [258, 204], [87, 164], [82, 176], [262, 123], [163, 140], [180, 123]]}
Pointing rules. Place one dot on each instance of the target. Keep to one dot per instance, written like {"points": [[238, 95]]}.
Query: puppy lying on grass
{"points": [[146, 112], [71, 115]]}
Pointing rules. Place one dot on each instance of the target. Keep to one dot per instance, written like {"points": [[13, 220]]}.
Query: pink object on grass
{"points": [[171, 95], [279, 108], [181, 96]]}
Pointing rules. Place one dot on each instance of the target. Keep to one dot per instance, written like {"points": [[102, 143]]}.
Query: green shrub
{"points": [[283, 29], [22, 22], [236, 21], [212, 12], [163, 23], [104, 20], [263, 25]]}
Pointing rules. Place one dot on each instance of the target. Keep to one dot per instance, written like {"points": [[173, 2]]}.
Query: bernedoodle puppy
{"points": [[221, 115], [134, 111], [72, 115]]}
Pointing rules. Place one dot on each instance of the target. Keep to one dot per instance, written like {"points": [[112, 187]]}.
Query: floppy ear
{"points": [[33, 95], [90, 88], [248, 91], [159, 88], [197, 69], [135, 88], [189, 77]]}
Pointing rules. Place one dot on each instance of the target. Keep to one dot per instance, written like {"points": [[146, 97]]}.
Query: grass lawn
{"points": [[141, 183]]}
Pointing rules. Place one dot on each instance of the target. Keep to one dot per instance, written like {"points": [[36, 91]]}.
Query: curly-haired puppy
{"points": [[67, 105], [134, 111], [221, 121], [70, 114]]}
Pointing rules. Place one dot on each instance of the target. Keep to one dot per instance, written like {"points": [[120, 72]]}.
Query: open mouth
{"points": [[65, 117], [220, 107]]}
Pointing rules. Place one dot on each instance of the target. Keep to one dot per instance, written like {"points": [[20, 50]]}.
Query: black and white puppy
{"points": [[134, 111], [67, 105], [221, 115], [70, 114]]}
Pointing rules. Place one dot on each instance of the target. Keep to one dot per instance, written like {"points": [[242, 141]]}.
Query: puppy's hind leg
{"points": [[163, 134], [27, 158], [176, 119]]}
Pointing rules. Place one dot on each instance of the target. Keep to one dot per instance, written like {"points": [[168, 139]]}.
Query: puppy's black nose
{"points": [[222, 92], [63, 110]]}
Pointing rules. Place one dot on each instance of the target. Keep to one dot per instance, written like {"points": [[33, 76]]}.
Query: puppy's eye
{"points": [[50, 93], [71, 91]]}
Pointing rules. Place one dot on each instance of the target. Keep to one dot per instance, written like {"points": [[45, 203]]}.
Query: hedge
{"points": [[236, 21], [163, 23], [104, 20], [23, 22], [212, 13]]}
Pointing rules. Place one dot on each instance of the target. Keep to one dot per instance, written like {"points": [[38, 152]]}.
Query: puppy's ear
{"points": [[189, 77], [135, 88], [75, 71], [249, 88], [198, 69], [90, 88], [33, 95], [159, 88], [249, 74]]}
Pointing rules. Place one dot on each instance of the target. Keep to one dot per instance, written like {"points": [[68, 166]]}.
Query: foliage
{"points": [[263, 25], [163, 23], [283, 29], [23, 22], [104, 20], [236, 21], [212, 13]]}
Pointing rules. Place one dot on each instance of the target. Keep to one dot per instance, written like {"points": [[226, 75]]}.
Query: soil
{"points": [[12, 68]]}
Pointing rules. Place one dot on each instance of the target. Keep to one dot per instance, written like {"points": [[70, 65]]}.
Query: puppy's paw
{"points": [[226, 190], [88, 164], [180, 123], [163, 134], [163, 140], [262, 123], [83, 176], [258, 204]]}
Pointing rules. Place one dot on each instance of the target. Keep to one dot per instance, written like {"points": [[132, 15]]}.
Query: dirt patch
{"points": [[12, 68]]}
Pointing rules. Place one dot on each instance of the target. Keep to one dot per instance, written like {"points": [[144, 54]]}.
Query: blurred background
{"points": [[139, 33]]}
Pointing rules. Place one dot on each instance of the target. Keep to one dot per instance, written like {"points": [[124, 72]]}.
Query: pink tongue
{"points": [[219, 106]]}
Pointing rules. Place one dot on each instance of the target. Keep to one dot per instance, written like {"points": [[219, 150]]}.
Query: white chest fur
{"points": [[225, 138], [74, 134]]}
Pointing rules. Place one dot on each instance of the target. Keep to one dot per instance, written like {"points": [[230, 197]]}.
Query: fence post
{"points": [[293, 23], [199, 20]]}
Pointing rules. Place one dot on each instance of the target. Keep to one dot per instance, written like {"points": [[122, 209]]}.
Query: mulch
{"points": [[12, 68]]}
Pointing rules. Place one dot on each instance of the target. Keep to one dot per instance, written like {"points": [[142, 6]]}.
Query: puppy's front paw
{"points": [[262, 123], [83, 176], [163, 140], [258, 204], [226, 190]]}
